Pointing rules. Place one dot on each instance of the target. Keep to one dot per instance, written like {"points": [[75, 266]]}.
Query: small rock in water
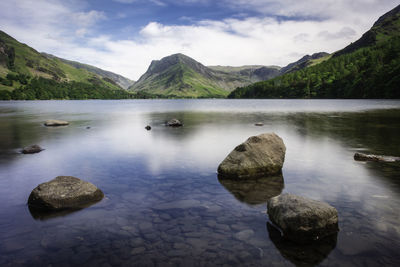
{"points": [[56, 123], [174, 123], [301, 219], [31, 149], [259, 124], [244, 235], [365, 157], [148, 127], [88, 127], [64, 192], [258, 156]]}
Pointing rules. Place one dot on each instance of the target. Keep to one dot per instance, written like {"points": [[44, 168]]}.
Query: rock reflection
{"points": [[254, 191], [302, 254], [43, 215]]}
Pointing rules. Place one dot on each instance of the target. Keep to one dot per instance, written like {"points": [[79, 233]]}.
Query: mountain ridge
{"points": [[27, 74], [387, 25], [367, 68], [178, 75], [122, 81]]}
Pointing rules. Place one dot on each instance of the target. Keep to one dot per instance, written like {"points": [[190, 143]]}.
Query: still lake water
{"points": [[165, 205]]}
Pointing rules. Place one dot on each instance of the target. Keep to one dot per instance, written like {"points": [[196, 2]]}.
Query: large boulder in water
{"points": [[259, 156], [56, 123], [64, 192], [301, 219]]}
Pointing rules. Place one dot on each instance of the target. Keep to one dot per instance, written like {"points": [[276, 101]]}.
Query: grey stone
{"points": [[145, 226], [64, 192], [56, 123], [148, 127], [259, 124], [138, 250], [258, 156], [32, 149], [174, 123], [244, 235], [301, 219], [179, 204], [365, 157]]}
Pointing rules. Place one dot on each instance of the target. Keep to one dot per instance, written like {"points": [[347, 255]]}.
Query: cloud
{"points": [[85, 19], [314, 8], [73, 31], [344, 33], [125, 1]]}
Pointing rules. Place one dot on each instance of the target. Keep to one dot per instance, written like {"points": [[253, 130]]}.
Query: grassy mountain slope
{"points": [[305, 62], [368, 70], [181, 76], [252, 73], [21, 66], [113, 77]]}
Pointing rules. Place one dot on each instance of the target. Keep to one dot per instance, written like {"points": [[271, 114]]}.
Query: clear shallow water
{"points": [[164, 204]]}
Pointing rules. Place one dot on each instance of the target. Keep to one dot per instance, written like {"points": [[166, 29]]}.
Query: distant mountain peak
{"points": [[178, 75], [158, 66]]}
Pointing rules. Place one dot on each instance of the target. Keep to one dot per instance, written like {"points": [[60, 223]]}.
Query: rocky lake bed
{"points": [[164, 203]]}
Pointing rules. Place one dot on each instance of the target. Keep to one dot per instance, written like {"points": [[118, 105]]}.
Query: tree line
{"points": [[40, 88], [371, 72]]}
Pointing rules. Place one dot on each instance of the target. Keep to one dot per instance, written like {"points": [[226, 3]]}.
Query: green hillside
{"points": [[107, 75], [368, 70], [22, 68], [305, 62], [179, 76]]}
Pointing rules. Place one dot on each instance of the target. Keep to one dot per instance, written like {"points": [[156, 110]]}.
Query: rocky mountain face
{"points": [[181, 76]]}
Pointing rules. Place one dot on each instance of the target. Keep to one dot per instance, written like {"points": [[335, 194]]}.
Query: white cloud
{"points": [[68, 31]]}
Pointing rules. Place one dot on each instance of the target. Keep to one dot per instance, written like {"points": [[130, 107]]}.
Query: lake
{"points": [[164, 204]]}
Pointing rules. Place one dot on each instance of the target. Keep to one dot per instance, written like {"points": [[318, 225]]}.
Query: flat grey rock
{"points": [[64, 192], [258, 156], [56, 123], [301, 219], [174, 123], [32, 149]]}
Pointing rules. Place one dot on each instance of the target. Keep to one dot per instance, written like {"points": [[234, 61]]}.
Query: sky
{"points": [[124, 36]]}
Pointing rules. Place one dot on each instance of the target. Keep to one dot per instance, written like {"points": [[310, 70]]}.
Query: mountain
{"points": [[181, 76], [27, 74], [305, 61], [252, 73], [386, 27], [368, 68], [122, 81]]}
